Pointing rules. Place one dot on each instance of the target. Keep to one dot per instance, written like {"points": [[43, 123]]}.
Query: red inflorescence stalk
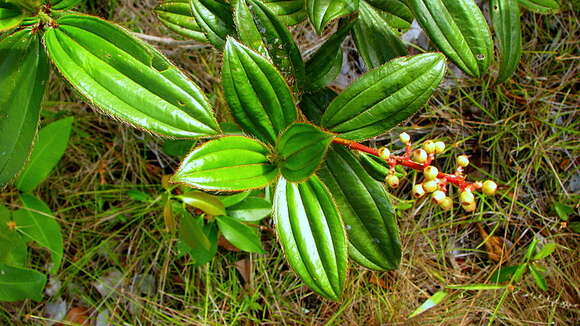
{"points": [[405, 160]]}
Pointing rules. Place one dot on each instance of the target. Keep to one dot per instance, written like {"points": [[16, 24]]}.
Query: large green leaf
{"points": [[177, 15], [385, 96], [23, 76], [17, 283], [459, 30], [10, 16], [290, 12], [198, 239], [323, 67], [321, 12], [375, 40], [366, 211], [505, 15], [13, 249], [312, 235], [251, 209], [128, 79], [400, 14], [230, 163], [215, 19], [240, 235], [209, 204], [36, 223], [257, 95], [300, 150], [314, 104], [64, 4], [51, 145], [261, 30], [541, 6]]}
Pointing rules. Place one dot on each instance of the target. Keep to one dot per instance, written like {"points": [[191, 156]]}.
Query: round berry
{"points": [[489, 187], [419, 156], [462, 161], [430, 173], [404, 138], [384, 153], [446, 203], [418, 191], [466, 198], [392, 181], [470, 207], [429, 146], [438, 196], [439, 147], [430, 186]]}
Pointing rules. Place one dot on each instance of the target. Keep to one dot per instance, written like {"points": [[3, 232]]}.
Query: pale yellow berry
{"points": [[404, 138], [439, 147], [446, 203], [430, 186], [489, 187], [462, 161], [470, 207], [430, 173], [418, 191], [392, 181], [438, 196], [466, 198], [429, 146], [419, 156], [384, 153]]}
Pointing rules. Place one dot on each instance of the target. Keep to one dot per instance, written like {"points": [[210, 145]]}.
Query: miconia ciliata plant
{"points": [[299, 140]]}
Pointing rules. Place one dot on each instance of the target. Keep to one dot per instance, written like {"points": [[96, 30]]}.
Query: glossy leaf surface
{"points": [[505, 15], [312, 235], [385, 96], [541, 6], [301, 149], [198, 239], [23, 76], [257, 94], [321, 12], [375, 40], [231, 200], [240, 235], [215, 19], [50, 147], [64, 4], [10, 16], [402, 16], [251, 209], [366, 211], [17, 283], [127, 79], [207, 203], [459, 30], [230, 163], [178, 16], [314, 104], [290, 12], [14, 250], [36, 222]]}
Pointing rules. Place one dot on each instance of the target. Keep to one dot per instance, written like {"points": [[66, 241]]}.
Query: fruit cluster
{"points": [[435, 182]]}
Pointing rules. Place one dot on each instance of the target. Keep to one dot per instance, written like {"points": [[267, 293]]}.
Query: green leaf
{"points": [[541, 6], [401, 15], [177, 15], [13, 248], [531, 249], [36, 223], [312, 235], [459, 30], [240, 235], [382, 98], [301, 149], [51, 145], [30, 5], [314, 104], [546, 251], [321, 12], [251, 209], [375, 40], [433, 300], [207, 203], [178, 147], [64, 4], [505, 274], [505, 15], [289, 12], [17, 284], [10, 17], [257, 95], [575, 226], [366, 211], [374, 167], [215, 19], [198, 239], [232, 200], [230, 163], [128, 79], [538, 278], [477, 287], [262, 31], [323, 67], [23, 77], [563, 211]]}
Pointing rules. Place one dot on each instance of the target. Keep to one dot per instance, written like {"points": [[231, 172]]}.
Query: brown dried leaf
{"points": [[77, 316], [495, 246]]}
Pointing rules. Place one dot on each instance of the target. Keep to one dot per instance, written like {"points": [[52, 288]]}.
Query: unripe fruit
{"points": [[392, 181], [462, 161], [404, 138], [384, 153], [469, 208], [466, 198], [439, 147], [446, 204], [430, 172], [429, 146], [418, 191], [489, 187], [430, 186], [438, 196], [419, 156]]}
